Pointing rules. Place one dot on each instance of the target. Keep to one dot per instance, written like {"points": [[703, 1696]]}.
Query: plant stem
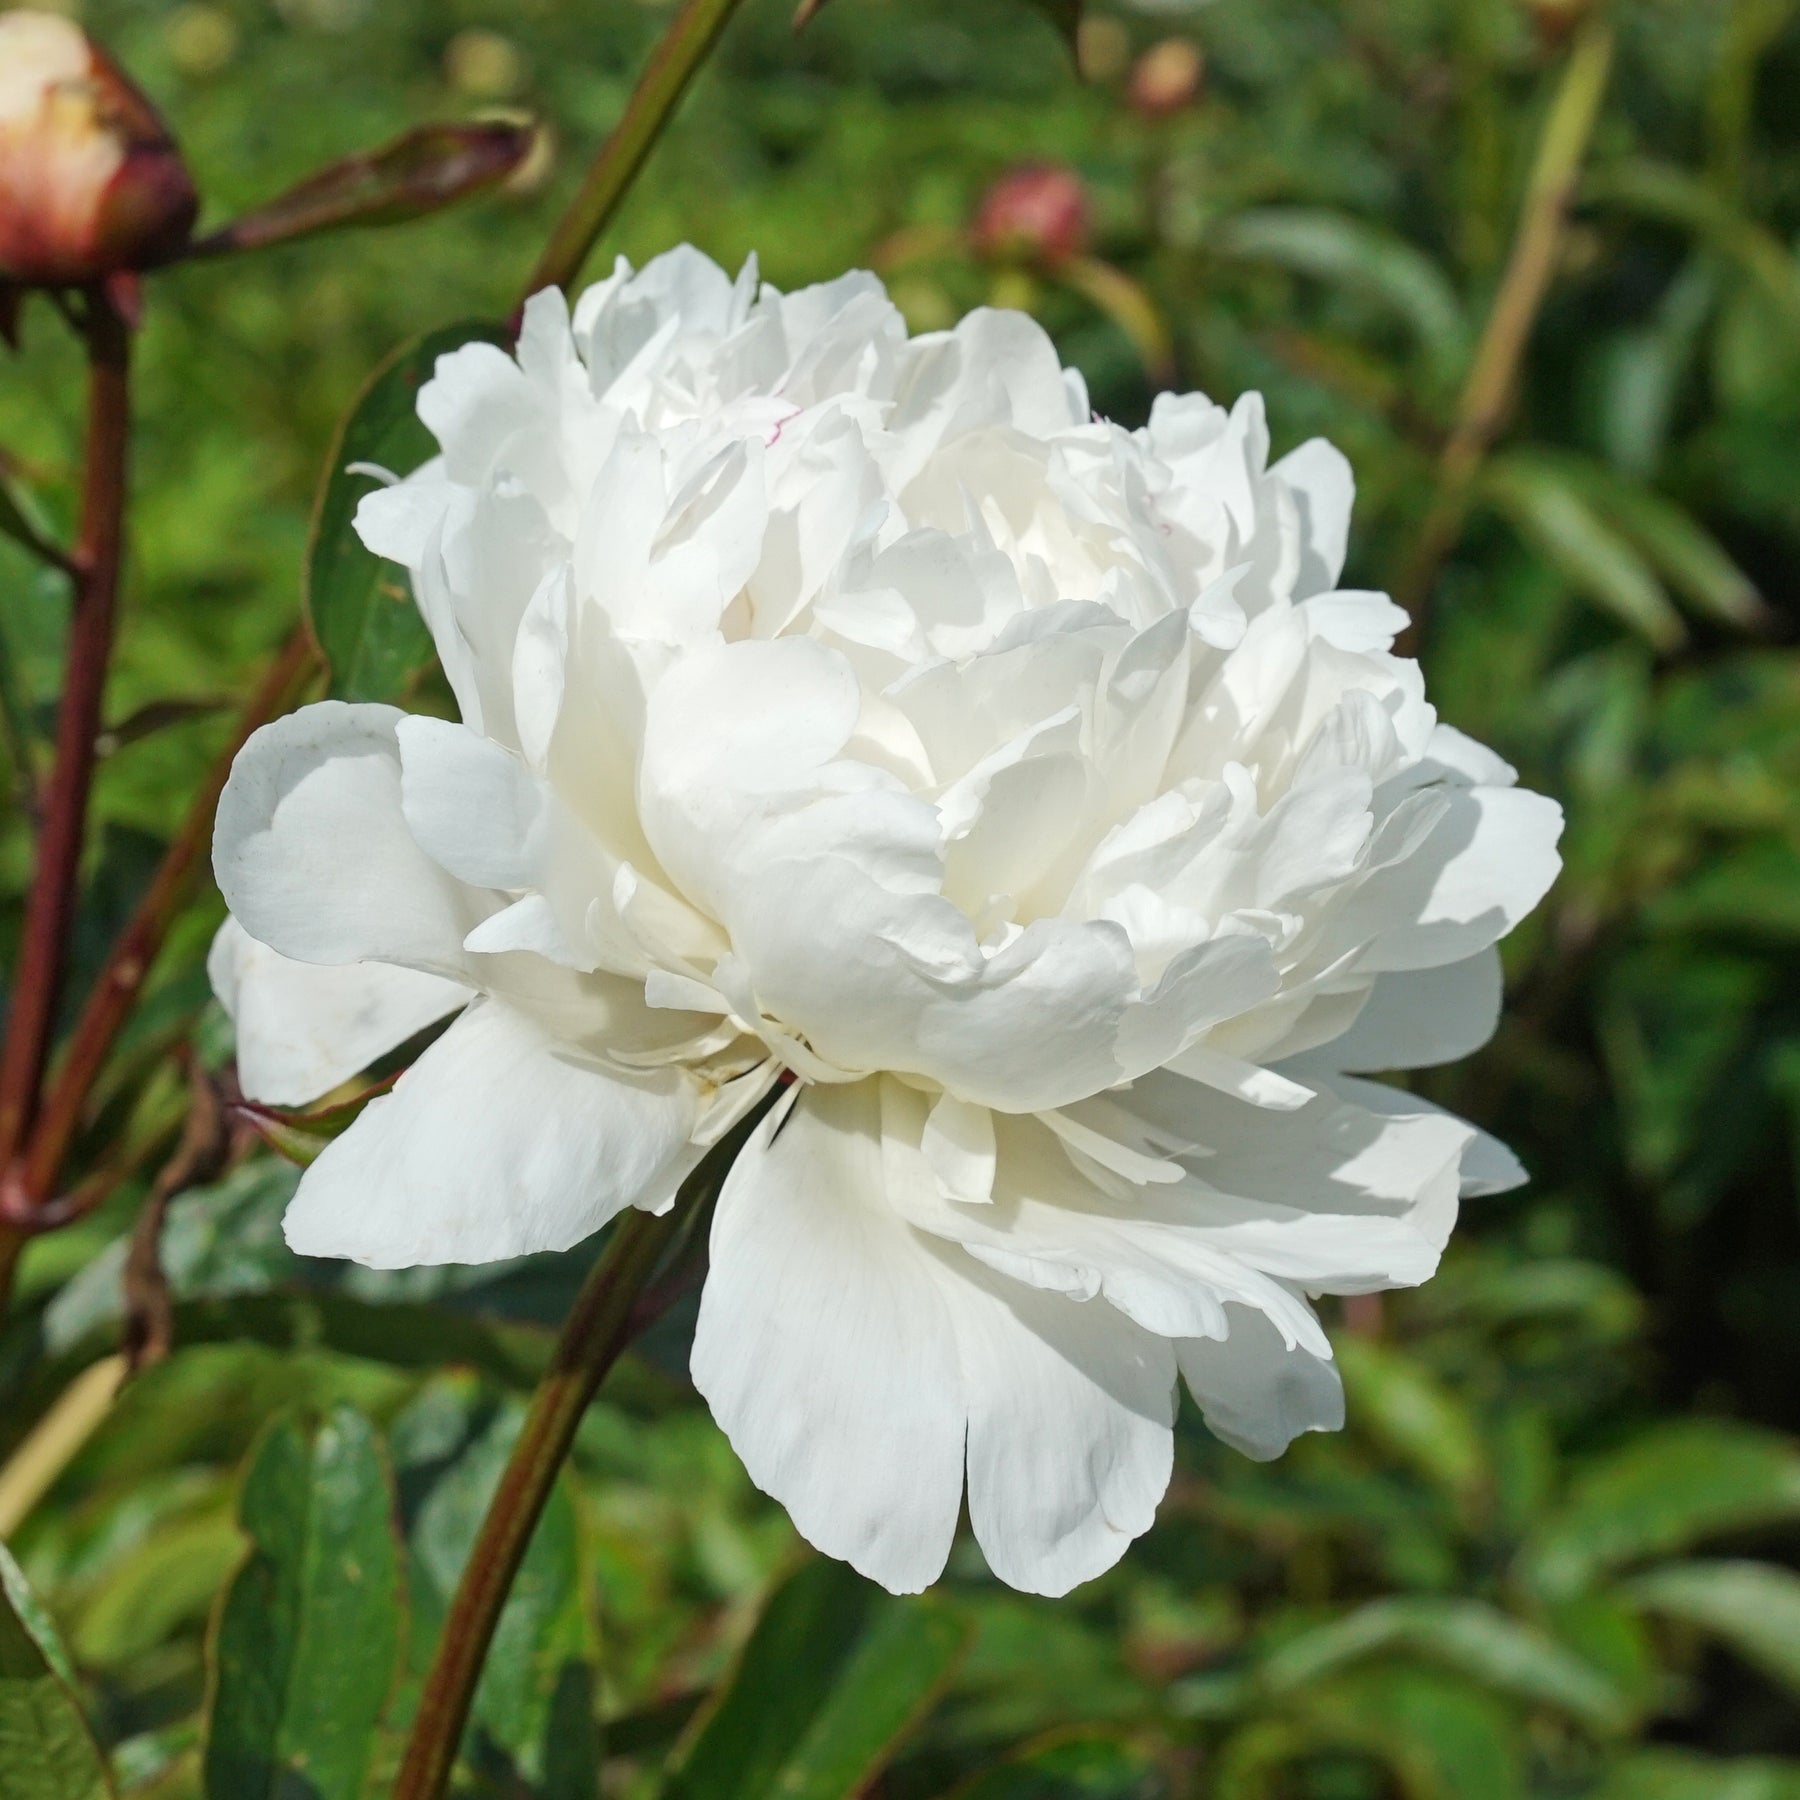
{"points": [[606, 1317], [685, 45], [1488, 390], [128, 963], [50, 906]]}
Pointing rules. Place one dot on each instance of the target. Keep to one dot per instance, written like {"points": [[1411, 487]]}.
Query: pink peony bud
{"points": [[91, 183], [1038, 212], [1166, 78]]}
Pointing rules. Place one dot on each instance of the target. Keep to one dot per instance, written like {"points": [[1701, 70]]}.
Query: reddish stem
{"points": [[50, 906], [129, 962]]}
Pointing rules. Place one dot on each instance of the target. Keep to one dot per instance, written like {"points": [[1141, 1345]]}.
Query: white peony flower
{"points": [[863, 710]]}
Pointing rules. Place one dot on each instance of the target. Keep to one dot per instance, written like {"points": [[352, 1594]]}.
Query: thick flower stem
{"points": [[128, 963], [1487, 392], [672, 65], [606, 1316], [50, 906]]}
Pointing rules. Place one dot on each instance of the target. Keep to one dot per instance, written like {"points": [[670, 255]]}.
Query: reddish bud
{"points": [[1166, 78], [1554, 21], [91, 182], [1038, 213]]}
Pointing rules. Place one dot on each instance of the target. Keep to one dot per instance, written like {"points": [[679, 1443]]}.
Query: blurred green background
{"points": [[1554, 1552]]}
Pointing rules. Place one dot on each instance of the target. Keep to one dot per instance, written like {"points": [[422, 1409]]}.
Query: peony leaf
{"points": [[1467, 1636], [834, 1676], [1075, 1765], [1672, 1487], [1415, 1417], [306, 1644], [1680, 1775], [1350, 253], [47, 1751], [418, 172], [1752, 1607], [360, 608], [1557, 520], [535, 1707]]}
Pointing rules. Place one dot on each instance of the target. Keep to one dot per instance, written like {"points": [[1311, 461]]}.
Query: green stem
{"points": [[672, 65], [1493, 375], [613, 1307], [50, 906]]}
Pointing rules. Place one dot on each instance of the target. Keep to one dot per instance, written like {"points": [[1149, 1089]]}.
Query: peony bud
{"points": [[1167, 77], [1038, 213], [1555, 20], [91, 183]]}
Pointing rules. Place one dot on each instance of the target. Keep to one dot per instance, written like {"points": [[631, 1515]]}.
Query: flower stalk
{"points": [[50, 906], [616, 1303], [672, 65], [1492, 379]]}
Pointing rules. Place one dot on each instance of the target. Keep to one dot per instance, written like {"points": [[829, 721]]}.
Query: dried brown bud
{"points": [[1038, 213], [91, 183], [1166, 78]]}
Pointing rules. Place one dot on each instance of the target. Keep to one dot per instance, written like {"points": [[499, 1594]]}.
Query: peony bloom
{"points": [[865, 710], [90, 180]]}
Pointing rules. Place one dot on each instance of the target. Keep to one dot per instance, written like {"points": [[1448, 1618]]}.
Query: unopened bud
{"points": [[91, 183], [1166, 78], [1038, 213]]}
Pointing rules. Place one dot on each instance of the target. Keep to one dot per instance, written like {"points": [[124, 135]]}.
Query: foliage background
{"points": [[1553, 1553]]}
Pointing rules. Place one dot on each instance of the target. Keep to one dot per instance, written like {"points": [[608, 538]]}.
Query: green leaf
{"points": [[1441, 1738], [361, 609], [1415, 1417], [1078, 1765], [1677, 546], [1503, 1654], [1753, 1607], [834, 1676], [534, 1711], [307, 1640], [1065, 15], [47, 1751], [1546, 509], [1677, 1775], [1674, 1486], [1349, 252], [23, 521]]}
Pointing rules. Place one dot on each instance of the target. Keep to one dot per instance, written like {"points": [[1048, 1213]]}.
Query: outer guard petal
{"points": [[824, 1346], [313, 855], [1254, 1392], [493, 1145], [303, 1030], [1070, 1414]]}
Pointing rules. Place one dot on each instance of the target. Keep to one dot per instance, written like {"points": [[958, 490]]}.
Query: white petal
{"points": [[1421, 1018], [1488, 1166], [303, 1030], [494, 1144], [824, 1347], [958, 1142], [1254, 1391], [1070, 1442], [313, 855], [1320, 476]]}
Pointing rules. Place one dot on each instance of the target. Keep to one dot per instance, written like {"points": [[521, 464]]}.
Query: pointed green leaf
{"points": [[47, 1751], [1679, 1775], [834, 1676], [1351, 253], [1415, 1417], [1078, 1765], [307, 1641], [1673, 1487], [533, 1718], [361, 608], [1468, 1636], [1558, 521], [1753, 1607]]}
